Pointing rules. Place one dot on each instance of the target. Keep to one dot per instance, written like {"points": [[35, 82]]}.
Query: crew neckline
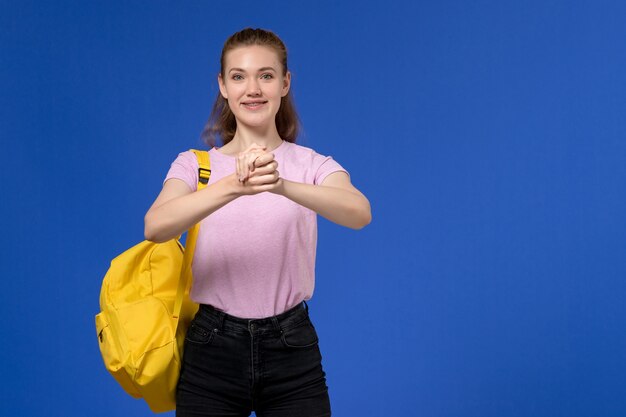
{"points": [[217, 151]]}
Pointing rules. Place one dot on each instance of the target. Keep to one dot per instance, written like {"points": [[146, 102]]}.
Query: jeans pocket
{"points": [[301, 335], [199, 334]]}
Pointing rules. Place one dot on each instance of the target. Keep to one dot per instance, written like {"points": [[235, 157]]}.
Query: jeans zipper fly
{"points": [[251, 328]]}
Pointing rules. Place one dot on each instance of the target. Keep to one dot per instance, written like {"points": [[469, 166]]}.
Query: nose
{"points": [[253, 87]]}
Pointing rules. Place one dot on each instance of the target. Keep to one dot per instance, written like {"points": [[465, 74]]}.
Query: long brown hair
{"points": [[222, 121]]}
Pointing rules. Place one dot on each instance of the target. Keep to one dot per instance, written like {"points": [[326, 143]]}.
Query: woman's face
{"points": [[253, 84]]}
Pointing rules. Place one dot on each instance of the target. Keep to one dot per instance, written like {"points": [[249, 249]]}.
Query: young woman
{"points": [[252, 345]]}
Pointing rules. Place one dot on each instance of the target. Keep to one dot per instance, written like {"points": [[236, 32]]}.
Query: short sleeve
{"points": [[324, 166], [185, 167]]}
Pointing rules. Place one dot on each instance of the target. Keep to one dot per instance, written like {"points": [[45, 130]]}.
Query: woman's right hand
{"points": [[256, 171]]}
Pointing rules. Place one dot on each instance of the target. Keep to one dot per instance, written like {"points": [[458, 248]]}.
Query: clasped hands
{"points": [[256, 170]]}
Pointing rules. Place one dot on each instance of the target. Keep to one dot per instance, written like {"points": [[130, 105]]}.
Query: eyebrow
{"points": [[260, 69]]}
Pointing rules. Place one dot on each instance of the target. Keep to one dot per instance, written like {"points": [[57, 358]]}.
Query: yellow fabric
{"points": [[145, 312]]}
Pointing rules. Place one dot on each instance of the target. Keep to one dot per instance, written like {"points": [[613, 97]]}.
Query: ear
{"points": [[286, 83], [220, 82]]}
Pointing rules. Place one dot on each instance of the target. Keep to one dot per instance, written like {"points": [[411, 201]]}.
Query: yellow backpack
{"points": [[146, 310]]}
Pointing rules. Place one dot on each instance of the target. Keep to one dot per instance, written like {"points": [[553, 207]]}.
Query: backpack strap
{"points": [[204, 167], [204, 172]]}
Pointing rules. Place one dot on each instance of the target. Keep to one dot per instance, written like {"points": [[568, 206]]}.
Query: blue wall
{"points": [[489, 136]]}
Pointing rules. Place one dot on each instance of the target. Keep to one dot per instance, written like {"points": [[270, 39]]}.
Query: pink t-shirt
{"points": [[255, 256]]}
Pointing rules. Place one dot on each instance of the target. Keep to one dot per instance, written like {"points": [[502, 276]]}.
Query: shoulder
{"points": [[189, 159], [313, 166], [301, 153], [186, 158]]}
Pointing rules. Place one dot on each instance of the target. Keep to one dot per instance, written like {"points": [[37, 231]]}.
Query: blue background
{"points": [[489, 137]]}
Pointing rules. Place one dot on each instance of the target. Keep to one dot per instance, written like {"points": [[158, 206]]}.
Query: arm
{"points": [[177, 208], [336, 199]]}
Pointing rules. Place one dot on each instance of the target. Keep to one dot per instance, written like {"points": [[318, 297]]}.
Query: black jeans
{"points": [[233, 366]]}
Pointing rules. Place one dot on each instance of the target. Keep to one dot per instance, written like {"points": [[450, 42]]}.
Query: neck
{"points": [[245, 137]]}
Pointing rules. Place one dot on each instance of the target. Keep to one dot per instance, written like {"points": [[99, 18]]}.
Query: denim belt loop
{"points": [[276, 324], [220, 319]]}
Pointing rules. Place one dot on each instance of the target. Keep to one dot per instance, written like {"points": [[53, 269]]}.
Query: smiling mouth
{"points": [[254, 105]]}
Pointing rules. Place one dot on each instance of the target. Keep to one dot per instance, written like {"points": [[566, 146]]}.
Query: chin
{"points": [[256, 121]]}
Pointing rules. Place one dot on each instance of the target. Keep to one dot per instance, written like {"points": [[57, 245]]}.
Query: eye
{"points": [[269, 76], [234, 77]]}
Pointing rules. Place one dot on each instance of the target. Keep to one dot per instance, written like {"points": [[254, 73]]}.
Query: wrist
{"points": [[280, 187], [232, 186]]}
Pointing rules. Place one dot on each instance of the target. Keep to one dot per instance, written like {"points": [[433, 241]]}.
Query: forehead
{"points": [[251, 57]]}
